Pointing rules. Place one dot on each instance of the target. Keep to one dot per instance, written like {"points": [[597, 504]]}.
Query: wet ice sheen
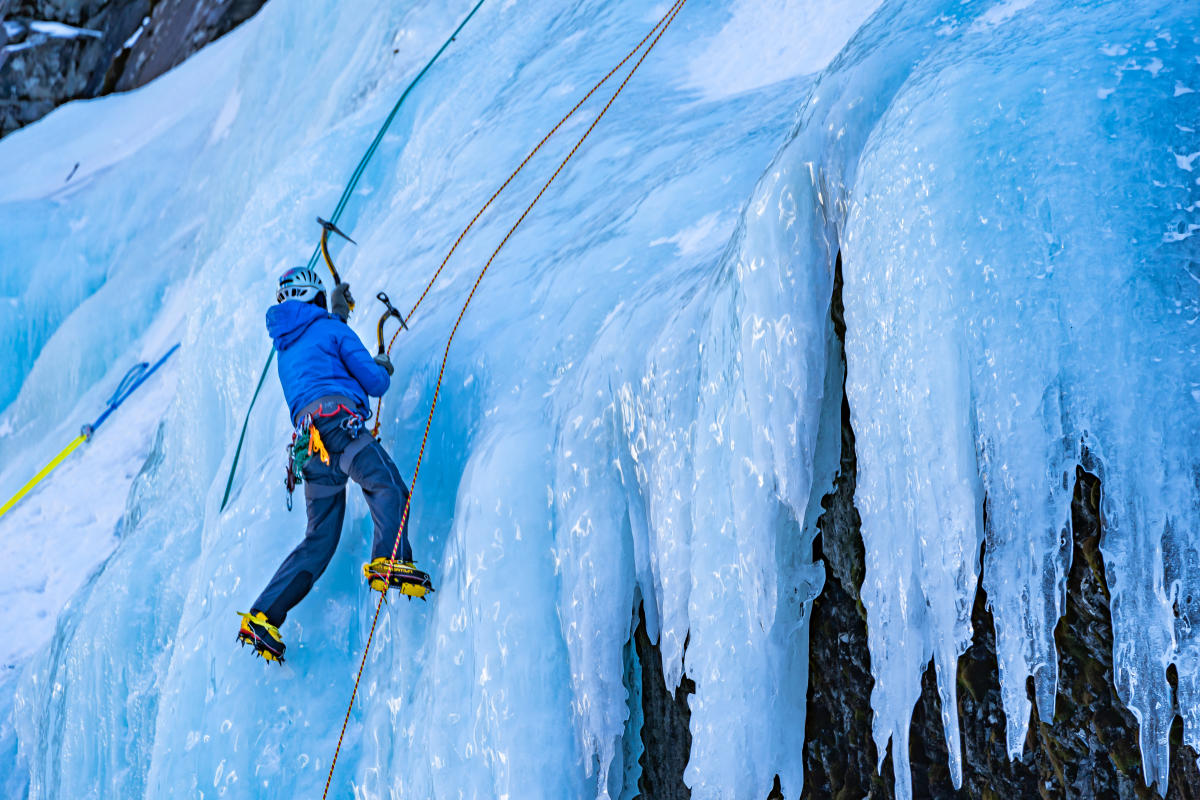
{"points": [[644, 400]]}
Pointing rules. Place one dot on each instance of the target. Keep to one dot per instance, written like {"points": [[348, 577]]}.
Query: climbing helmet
{"points": [[299, 283]]}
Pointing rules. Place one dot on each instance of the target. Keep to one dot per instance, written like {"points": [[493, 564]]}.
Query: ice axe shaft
{"points": [[389, 312]]}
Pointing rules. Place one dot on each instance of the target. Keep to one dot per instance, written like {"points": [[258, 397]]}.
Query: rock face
{"points": [[119, 45]]}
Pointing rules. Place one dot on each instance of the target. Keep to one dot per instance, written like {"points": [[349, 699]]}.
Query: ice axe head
{"points": [[331, 228], [390, 311], [327, 227]]}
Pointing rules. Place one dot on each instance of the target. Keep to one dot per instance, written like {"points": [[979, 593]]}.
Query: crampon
{"points": [[261, 635], [385, 573]]}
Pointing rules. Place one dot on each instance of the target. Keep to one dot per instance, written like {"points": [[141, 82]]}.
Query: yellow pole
{"points": [[46, 470]]}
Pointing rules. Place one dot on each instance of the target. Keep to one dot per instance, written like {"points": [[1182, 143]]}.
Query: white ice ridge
{"points": [[643, 403]]}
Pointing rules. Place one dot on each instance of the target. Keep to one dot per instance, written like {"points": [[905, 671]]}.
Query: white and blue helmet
{"points": [[299, 283]]}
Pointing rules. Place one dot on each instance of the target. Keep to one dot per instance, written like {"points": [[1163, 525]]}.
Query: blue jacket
{"points": [[319, 356]]}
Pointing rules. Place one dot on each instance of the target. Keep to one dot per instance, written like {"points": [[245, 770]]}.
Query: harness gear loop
{"points": [[306, 442], [661, 26]]}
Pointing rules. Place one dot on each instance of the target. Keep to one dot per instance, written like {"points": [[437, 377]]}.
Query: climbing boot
{"points": [[261, 635], [384, 573]]}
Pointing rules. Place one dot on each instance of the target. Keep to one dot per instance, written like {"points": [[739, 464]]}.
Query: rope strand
{"points": [[665, 23], [503, 186]]}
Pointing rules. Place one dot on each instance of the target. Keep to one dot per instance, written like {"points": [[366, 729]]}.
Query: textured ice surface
{"points": [[643, 400], [1021, 294], [631, 408]]}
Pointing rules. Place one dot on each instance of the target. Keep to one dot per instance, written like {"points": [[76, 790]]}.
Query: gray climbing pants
{"points": [[353, 453]]}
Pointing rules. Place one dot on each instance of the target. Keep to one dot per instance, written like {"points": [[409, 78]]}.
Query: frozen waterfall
{"points": [[643, 404]]}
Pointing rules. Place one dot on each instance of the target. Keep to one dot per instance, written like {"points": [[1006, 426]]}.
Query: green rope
{"points": [[337, 215], [362, 165], [245, 423]]}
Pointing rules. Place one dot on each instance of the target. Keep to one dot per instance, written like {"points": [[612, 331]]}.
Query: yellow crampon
{"points": [[261, 635], [386, 573], [316, 446]]}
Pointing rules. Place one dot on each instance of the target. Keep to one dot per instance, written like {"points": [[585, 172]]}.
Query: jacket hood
{"points": [[289, 319]]}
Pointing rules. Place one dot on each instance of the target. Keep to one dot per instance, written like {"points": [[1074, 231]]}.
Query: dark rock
{"points": [[665, 717], [48, 71], [178, 28]]}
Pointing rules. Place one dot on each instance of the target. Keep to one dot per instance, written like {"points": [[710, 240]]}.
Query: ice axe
{"points": [[326, 228], [389, 312]]}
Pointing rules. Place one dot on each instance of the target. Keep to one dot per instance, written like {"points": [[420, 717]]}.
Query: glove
{"points": [[341, 300], [385, 362]]}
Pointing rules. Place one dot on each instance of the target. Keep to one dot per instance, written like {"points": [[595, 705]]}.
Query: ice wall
{"points": [[1021, 294], [642, 402], [631, 410]]}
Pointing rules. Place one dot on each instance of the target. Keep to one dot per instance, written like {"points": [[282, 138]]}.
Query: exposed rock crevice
{"points": [[666, 737], [1088, 750]]}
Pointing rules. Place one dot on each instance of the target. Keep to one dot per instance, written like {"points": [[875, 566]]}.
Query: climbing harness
{"points": [[135, 377], [661, 28], [306, 443], [347, 193]]}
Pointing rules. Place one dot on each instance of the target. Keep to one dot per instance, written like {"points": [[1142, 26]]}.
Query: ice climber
{"points": [[327, 375]]}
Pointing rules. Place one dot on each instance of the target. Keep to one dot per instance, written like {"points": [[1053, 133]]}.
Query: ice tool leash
{"points": [[135, 377], [334, 218], [657, 32]]}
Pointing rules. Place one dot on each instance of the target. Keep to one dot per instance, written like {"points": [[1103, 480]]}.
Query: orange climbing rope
{"points": [[661, 28], [503, 186]]}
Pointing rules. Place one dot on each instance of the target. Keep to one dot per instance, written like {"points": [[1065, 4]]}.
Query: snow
{"points": [[59, 30], [1000, 13], [137, 34], [228, 114], [764, 41], [643, 402], [36, 573]]}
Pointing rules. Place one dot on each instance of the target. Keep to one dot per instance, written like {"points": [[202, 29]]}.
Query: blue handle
{"points": [[135, 377]]}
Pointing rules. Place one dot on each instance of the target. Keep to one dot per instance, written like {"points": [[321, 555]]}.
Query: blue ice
{"points": [[643, 403]]}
